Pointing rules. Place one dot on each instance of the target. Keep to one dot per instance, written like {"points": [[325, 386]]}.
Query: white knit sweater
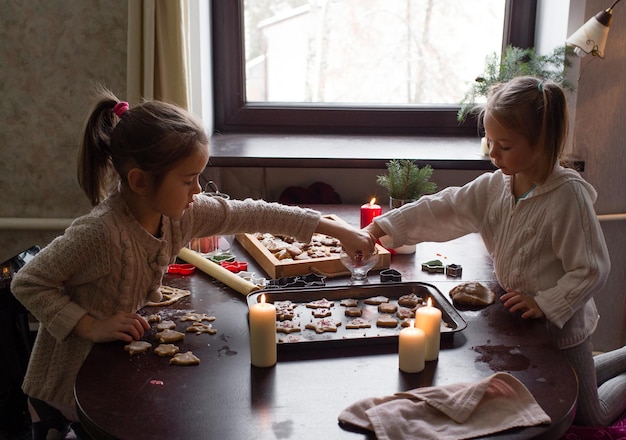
{"points": [[549, 244], [105, 262]]}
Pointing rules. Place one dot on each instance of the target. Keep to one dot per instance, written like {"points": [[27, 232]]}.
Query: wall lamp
{"points": [[591, 37]]}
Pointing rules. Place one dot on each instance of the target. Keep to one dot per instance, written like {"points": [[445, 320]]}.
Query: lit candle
{"points": [[263, 334], [411, 349], [428, 318], [369, 211]]}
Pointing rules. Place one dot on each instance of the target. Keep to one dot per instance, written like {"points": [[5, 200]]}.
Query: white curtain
{"points": [[158, 51]]}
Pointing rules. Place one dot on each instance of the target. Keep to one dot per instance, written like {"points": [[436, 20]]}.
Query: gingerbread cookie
{"points": [[287, 326], [166, 350], [322, 313], [405, 313], [376, 300], [353, 311], [387, 321], [289, 338], [320, 303], [169, 296], [187, 358], [410, 300], [387, 308], [198, 317], [153, 318], [358, 323], [167, 336], [284, 310], [165, 325], [199, 327], [323, 325], [137, 347], [349, 302]]}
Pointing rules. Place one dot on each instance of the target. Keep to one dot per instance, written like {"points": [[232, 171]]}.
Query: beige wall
{"points": [[50, 52], [600, 139]]}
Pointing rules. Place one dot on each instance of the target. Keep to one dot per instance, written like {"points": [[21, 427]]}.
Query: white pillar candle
{"points": [[428, 318], [484, 146], [263, 334], [411, 349]]}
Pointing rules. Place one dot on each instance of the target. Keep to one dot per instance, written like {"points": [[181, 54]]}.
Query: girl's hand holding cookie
{"points": [[352, 240], [119, 327], [359, 243], [515, 301]]}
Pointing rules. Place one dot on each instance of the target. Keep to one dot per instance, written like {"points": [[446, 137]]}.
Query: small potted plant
{"points": [[406, 181]]}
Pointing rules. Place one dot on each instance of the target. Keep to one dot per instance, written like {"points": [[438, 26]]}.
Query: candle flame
{"points": [[412, 323], [429, 302], [263, 299], [373, 201]]}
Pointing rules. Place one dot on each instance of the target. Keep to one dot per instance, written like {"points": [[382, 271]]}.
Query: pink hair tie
{"points": [[120, 108]]}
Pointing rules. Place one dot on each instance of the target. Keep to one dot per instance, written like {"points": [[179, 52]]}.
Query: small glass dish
{"points": [[359, 265]]}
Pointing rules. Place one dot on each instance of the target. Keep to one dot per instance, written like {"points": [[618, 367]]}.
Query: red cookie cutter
{"points": [[234, 266], [181, 269]]}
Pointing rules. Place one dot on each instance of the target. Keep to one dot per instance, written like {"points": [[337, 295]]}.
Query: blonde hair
{"points": [[154, 136], [536, 110]]}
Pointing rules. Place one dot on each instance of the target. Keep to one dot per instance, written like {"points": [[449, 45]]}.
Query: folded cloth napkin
{"points": [[455, 412]]}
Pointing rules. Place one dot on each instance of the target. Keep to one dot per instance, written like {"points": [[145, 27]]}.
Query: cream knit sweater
{"points": [[548, 245], [105, 262]]}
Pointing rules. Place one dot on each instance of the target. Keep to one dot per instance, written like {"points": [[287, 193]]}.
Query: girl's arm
{"points": [[78, 257]]}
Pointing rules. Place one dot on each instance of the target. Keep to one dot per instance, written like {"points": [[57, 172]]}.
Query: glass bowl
{"points": [[359, 265]]}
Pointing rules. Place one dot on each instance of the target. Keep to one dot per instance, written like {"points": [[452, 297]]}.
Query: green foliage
{"points": [[517, 62], [406, 180]]}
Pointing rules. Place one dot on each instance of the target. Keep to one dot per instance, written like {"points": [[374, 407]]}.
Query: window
{"points": [[256, 48]]}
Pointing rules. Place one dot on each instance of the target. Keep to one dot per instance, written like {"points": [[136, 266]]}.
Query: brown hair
{"points": [[153, 136], [535, 109]]}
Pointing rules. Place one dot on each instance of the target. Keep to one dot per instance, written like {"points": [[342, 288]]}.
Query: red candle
{"points": [[369, 211]]}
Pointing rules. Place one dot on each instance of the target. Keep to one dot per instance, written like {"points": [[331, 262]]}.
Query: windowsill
{"points": [[344, 151]]}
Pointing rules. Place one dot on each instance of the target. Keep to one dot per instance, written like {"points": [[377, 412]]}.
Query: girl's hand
{"points": [[359, 242], [352, 240], [515, 301], [119, 327]]}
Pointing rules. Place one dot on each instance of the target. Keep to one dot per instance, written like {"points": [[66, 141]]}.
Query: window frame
{"points": [[234, 115]]}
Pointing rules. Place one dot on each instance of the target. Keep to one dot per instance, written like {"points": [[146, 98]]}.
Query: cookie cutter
{"points": [[433, 266], [219, 259], [454, 270], [252, 278], [181, 269], [234, 266], [308, 280], [313, 279], [390, 275]]}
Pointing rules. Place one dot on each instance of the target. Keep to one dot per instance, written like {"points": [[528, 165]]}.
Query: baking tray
{"points": [[452, 321]]}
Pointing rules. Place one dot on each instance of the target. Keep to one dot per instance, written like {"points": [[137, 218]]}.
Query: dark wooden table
{"points": [[224, 397]]}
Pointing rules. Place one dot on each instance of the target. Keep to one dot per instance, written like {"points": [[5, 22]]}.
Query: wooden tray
{"points": [[329, 266], [452, 321]]}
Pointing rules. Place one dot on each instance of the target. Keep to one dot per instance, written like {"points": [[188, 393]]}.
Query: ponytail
{"points": [[555, 122], [95, 172]]}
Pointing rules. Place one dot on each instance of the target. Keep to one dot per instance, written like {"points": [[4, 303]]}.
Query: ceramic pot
{"points": [[393, 204], [396, 203]]}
